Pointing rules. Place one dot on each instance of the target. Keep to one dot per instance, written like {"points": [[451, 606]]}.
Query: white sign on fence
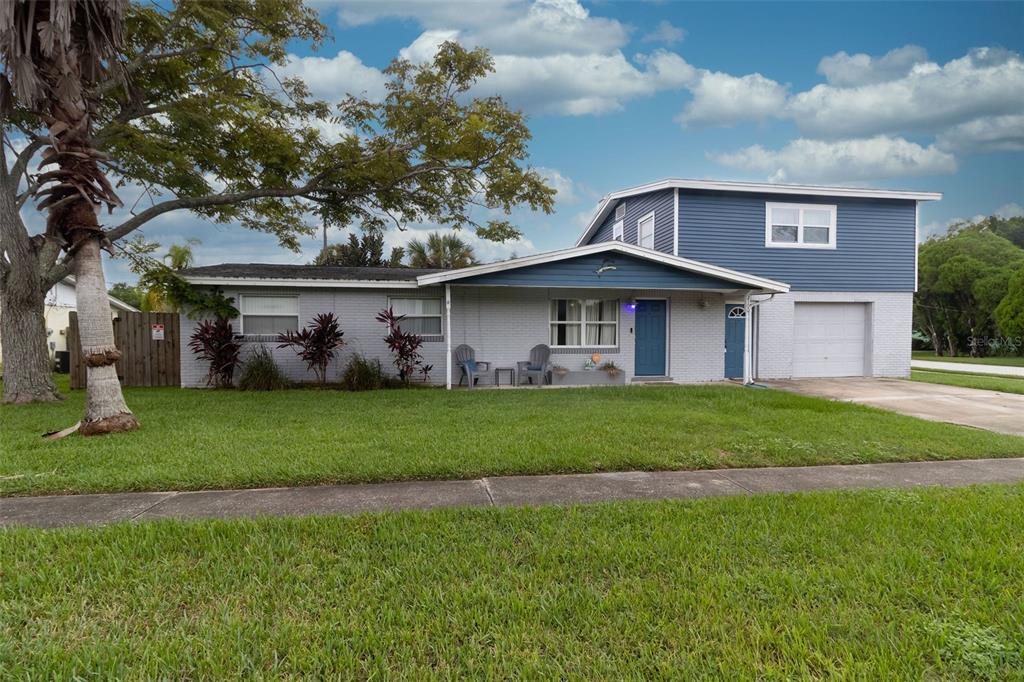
{"points": [[157, 331]]}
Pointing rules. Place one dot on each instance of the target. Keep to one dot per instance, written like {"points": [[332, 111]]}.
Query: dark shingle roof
{"points": [[326, 272]]}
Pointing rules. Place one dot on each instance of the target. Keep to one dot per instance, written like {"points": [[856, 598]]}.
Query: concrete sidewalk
{"points": [[70, 510], [968, 368]]}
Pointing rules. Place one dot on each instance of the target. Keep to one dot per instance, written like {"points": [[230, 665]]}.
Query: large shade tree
{"points": [[188, 106]]}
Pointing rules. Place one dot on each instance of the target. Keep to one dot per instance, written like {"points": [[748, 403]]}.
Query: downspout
{"points": [[448, 332], [749, 303]]}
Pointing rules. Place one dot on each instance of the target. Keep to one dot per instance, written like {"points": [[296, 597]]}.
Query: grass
{"points": [[889, 584], [1006, 361], [195, 439], [1006, 384]]}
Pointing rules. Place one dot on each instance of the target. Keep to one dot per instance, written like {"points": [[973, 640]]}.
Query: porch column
{"points": [[748, 339], [448, 332]]}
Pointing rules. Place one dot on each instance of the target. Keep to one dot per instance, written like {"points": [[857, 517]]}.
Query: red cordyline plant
{"points": [[215, 342], [405, 346], [316, 344]]}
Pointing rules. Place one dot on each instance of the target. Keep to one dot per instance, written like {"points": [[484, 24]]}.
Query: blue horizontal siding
{"points": [[629, 273], [637, 207], [875, 241]]}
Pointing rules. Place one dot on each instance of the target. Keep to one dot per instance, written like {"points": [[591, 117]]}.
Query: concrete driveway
{"points": [[992, 410]]}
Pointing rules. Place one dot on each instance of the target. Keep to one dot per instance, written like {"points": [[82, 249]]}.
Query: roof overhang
{"points": [[303, 283], [760, 187], [741, 279]]}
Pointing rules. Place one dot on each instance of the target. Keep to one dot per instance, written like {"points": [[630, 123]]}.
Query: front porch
{"points": [[610, 314]]}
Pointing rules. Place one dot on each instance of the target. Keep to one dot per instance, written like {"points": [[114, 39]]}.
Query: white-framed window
{"points": [[620, 211], [645, 231], [800, 226], [422, 315], [584, 323], [617, 229], [261, 315]]}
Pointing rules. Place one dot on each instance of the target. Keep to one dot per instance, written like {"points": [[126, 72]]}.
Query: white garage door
{"points": [[829, 339]]}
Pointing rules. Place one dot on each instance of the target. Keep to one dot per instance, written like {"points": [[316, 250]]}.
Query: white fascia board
{"points": [[760, 187], [603, 247], [303, 283]]}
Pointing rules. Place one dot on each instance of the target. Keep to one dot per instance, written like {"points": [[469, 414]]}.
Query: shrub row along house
{"points": [[678, 280]]}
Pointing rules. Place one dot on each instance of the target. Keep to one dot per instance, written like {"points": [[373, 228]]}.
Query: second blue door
{"points": [[735, 332], [650, 338]]}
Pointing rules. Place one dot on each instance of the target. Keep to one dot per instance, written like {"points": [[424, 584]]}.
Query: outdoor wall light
{"points": [[631, 305]]}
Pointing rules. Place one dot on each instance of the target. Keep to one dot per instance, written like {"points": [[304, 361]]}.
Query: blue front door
{"points": [[650, 338], [735, 328]]}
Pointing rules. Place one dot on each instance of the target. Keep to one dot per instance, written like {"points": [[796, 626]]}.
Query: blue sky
{"points": [[925, 96]]}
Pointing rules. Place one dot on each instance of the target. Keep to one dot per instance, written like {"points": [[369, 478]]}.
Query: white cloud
{"points": [[578, 85], [551, 27], [936, 228], [723, 99], [335, 77], [846, 70], [425, 46], [1010, 210], [985, 82], [852, 160], [563, 185], [666, 33], [994, 134]]}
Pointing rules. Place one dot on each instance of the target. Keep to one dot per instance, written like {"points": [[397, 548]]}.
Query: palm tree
{"points": [[440, 251], [54, 52], [154, 296]]}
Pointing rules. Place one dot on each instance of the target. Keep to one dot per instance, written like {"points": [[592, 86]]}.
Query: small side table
{"points": [[511, 375]]}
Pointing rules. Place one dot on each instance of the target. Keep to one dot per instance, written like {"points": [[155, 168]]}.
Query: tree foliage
{"points": [[364, 252], [439, 250], [964, 277], [128, 293]]}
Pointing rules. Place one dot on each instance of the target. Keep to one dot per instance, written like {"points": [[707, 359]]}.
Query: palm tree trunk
{"points": [[105, 408], [27, 370]]}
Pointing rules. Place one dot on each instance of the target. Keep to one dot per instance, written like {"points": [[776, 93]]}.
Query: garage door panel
{"points": [[829, 339]]}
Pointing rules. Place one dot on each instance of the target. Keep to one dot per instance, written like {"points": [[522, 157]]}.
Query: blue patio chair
{"points": [[472, 369], [538, 366]]}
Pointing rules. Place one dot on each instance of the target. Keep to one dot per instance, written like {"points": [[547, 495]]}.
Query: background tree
{"points": [[190, 111], [964, 276], [446, 251], [364, 252], [1010, 311], [153, 276], [129, 293]]}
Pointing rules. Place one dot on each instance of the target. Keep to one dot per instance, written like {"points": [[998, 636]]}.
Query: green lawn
{"points": [[1008, 361], [1005, 384], [891, 584], [194, 439]]}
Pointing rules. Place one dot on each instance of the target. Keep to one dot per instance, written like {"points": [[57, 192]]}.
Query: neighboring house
{"points": [[60, 303], [679, 280]]}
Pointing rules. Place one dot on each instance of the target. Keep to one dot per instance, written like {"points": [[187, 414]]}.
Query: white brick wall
{"points": [[501, 324], [889, 320]]}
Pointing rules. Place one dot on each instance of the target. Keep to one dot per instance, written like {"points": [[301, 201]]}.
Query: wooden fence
{"points": [[149, 345]]}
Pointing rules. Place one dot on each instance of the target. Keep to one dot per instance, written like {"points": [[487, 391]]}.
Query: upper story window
{"points": [[800, 226], [269, 314], [584, 323], [617, 230], [422, 315], [620, 211], [645, 231]]}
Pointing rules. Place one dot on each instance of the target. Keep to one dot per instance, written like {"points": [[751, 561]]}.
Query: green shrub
{"points": [[363, 374], [261, 373]]}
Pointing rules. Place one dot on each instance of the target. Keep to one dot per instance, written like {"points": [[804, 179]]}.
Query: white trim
{"points": [[604, 247], [654, 226], [305, 283], [668, 335], [618, 230], [800, 208], [760, 187], [241, 312], [917, 238], [675, 222], [448, 335], [583, 322]]}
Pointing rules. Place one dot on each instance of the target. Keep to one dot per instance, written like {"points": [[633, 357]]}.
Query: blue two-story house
{"points": [[679, 280]]}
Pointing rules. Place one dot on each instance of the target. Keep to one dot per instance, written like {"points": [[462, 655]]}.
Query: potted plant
{"points": [[611, 369]]}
